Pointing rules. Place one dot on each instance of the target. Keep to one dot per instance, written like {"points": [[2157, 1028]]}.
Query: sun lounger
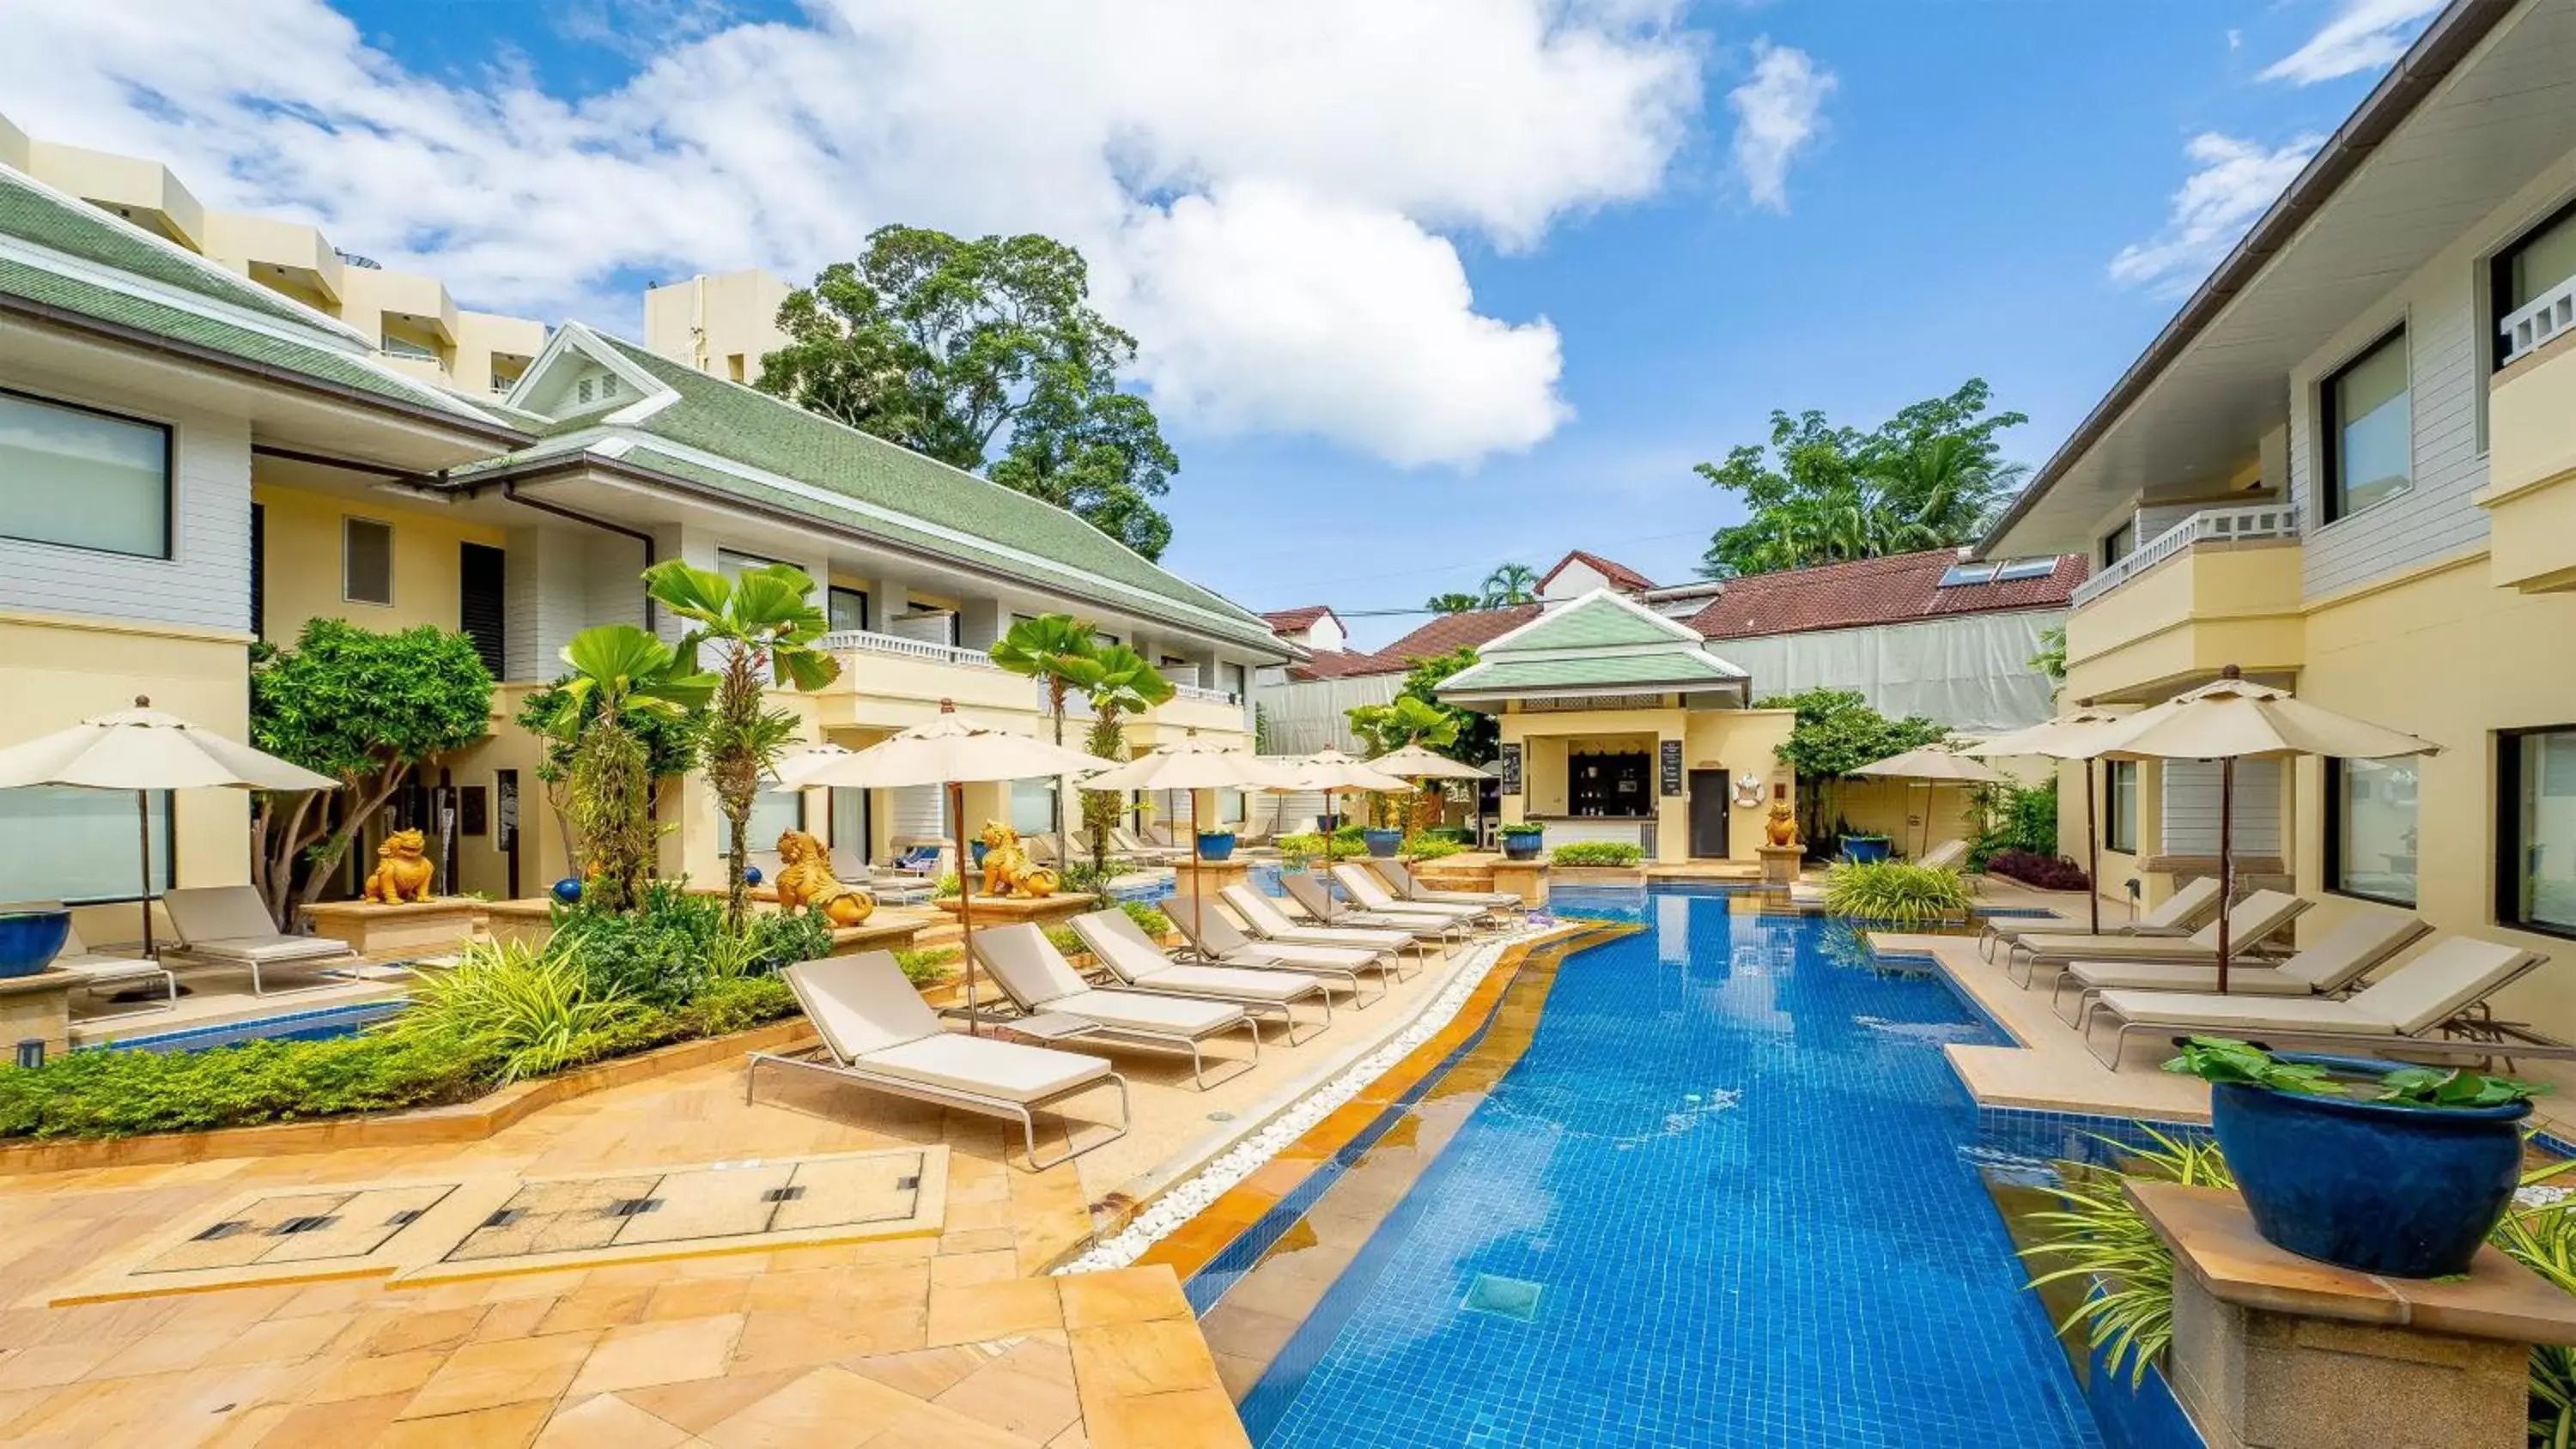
{"points": [[1223, 943], [1948, 855], [99, 973], [1371, 894], [1061, 1006], [1262, 917], [2194, 905], [879, 1034], [2256, 919], [1408, 887], [1132, 957], [1124, 843], [2429, 994], [1317, 898], [230, 926], [2334, 963]]}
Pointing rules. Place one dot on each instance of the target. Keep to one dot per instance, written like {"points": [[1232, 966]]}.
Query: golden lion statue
{"points": [[401, 873], [1007, 870], [805, 879], [1784, 824]]}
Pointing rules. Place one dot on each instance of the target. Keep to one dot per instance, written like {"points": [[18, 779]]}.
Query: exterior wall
{"points": [[285, 256], [721, 325], [1573, 581], [143, 192], [2211, 605], [2531, 491], [1971, 672], [480, 337], [304, 574], [1735, 740], [1304, 716], [205, 585]]}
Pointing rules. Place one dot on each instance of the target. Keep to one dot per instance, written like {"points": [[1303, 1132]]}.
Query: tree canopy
{"points": [[1512, 583], [1478, 737], [1453, 603], [954, 347], [1930, 477]]}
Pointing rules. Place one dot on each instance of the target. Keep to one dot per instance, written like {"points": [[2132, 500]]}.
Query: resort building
{"points": [[190, 462], [2348, 466]]}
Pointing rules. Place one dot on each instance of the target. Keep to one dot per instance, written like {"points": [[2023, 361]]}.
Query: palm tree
{"points": [[1512, 583], [1937, 492], [763, 625], [1118, 682], [1453, 603], [1051, 648], [1402, 721], [615, 669]]}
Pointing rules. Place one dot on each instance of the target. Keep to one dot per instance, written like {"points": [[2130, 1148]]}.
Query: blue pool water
{"points": [[1732, 1166], [319, 1024]]}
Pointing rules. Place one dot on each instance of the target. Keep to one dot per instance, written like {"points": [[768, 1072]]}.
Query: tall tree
{"points": [[1119, 682], [614, 671], [761, 628], [1512, 583], [368, 710], [954, 348], [1056, 650], [1453, 603], [1930, 477], [1835, 733]]}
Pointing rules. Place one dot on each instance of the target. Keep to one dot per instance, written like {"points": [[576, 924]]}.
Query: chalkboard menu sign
{"points": [[1511, 769], [1671, 767]]}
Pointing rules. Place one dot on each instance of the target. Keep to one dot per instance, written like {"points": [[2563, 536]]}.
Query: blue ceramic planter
{"points": [[1383, 844], [1216, 845], [2380, 1187], [977, 849], [1523, 847], [1866, 849], [29, 940]]}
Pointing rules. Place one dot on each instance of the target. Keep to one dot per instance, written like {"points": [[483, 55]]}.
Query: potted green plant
{"points": [[1523, 841], [1861, 848], [2378, 1166], [1216, 845]]}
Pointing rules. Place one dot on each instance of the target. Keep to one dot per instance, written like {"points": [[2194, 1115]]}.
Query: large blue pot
{"points": [[29, 940], [1216, 845], [1866, 849], [1383, 844], [2380, 1187], [1524, 846]]}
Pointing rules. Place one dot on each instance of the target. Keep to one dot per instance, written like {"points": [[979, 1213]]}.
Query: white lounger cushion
{"points": [[2153, 976], [231, 923], [1366, 890], [2228, 1014], [983, 1067], [1216, 936], [871, 1019], [1121, 945], [269, 950], [2256, 918], [1409, 885], [2182, 910], [1268, 920], [2344, 955], [2414, 998], [1027, 965], [1148, 1012]]}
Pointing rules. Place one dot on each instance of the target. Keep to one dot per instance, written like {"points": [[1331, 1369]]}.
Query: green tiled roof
{"points": [[1592, 624], [85, 232], [731, 421], [1589, 671]]}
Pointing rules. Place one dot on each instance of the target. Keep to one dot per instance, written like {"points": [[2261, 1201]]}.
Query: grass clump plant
{"points": [[1897, 892], [1598, 852]]}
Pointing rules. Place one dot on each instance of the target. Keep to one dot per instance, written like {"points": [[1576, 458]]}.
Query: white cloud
{"points": [[1267, 194], [2363, 35], [1777, 113], [2233, 183]]}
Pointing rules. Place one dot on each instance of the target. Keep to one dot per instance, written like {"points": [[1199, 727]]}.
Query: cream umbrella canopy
{"points": [[2069, 736], [2233, 718], [953, 752], [1417, 764], [1334, 773], [1190, 764], [1935, 767], [143, 750]]}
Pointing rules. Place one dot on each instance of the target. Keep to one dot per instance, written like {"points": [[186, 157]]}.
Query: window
{"points": [[2370, 829], [482, 603], [1033, 805], [734, 565], [366, 561], [2534, 267], [2536, 819], [2024, 568], [83, 479], [2369, 438], [733, 367], [772, 812], [1958, 575], [849, 607], [2120, 542], [63, 844], [2120, 805]]}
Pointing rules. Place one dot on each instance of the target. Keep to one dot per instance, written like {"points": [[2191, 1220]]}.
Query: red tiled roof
{"points": [[1440, 636], [1620, 575], [1333, 664], [1891, 590], [1289, 621]]}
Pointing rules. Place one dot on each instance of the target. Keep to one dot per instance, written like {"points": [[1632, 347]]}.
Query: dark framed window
{"points": [[366, 561], [81, 478], [2536, 829], [2366, 454], [2120, 806], [848, 607], [772, 812], [483, 603], [2534, 266], [2370, 829], [2120, 542]]}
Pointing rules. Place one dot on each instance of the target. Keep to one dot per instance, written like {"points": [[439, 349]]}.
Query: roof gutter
{"points": [[510, 492], [2433, 56]]}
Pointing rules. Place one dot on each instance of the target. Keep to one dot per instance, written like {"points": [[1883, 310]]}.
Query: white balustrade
{"points": [[2209, 525], [1210, 696], [2546, 316], [868, 642]]}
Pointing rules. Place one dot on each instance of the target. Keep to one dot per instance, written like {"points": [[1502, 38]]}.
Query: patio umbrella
{"points": [[1418, 765], [798, 769], [2069, 736], [1934, 767], [1189, 764], [144, 750], [2232, 718], [1334, 773], [953, 752]]}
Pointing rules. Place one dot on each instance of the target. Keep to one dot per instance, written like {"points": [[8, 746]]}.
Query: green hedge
{"points": [[1598, 852]]}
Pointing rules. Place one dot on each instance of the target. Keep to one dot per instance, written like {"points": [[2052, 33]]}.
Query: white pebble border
{"points": [[1186, 1199]]}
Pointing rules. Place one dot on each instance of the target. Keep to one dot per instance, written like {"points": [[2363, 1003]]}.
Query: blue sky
{"points": [[1422, 288]]}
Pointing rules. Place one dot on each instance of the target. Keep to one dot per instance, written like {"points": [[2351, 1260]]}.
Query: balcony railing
{"points": [[2209, 525], [2546, 316], [1211, 696], [868, 642]]}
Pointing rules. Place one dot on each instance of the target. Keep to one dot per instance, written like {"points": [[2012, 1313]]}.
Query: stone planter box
{"points": [[419, 926], [1011, 910], [1604, 875], [878, 935], [1213, 876], [1524, 878], [529, 920]]}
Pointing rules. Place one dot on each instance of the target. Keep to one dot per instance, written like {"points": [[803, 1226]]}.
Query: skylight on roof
{"points": [[1997, 571], [2025, 568], [1968, 573]]}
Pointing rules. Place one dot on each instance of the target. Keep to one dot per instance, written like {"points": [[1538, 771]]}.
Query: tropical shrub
{"points": [[1598, 852], [1837, 732], [2047, 872], [1307, 847], [1148, 919], [675, 942], [1896, 891], [524, 1007], [1423, 845], [2009, 817], [945, 888], [930, 965]]}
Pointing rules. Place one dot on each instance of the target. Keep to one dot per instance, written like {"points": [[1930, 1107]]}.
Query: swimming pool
{"points": [[1720, 1200], [319, 1024]]}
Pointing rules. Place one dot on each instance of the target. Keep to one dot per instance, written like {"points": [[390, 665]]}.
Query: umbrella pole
{"points": [[1197, 861], [2226, 860], [143, 817], [2092, 852], [965, 899]]}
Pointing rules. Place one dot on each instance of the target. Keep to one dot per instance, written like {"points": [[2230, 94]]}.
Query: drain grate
{"points": [[907, 1184], [634, 1207], [1512, 1298], [221, 1231], [312, 1224], [783, 1194]]}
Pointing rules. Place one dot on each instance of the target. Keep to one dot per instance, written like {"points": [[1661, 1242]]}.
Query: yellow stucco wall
{"points": [[1733, 740], [303, 574], [2208, 606]]}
